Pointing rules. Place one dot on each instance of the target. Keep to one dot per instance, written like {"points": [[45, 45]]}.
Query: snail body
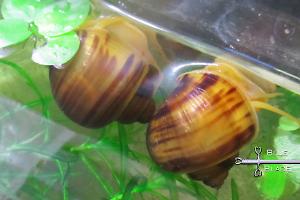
{"points": [[112, 77], [205, 121]]}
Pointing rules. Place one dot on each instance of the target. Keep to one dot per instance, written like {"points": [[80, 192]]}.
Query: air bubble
{"points": [[287, 31]]}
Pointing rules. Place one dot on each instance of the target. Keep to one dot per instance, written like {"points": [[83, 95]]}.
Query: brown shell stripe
{"points": [[119, 79], [249, 130], [196, 161], [248, 123], [82, 35], [142, 107], [71, 92], [207, 81], [217, 100], [118, 105], [164, 128], [205, 159], [225, 113], [106, 63], [179, 97]]}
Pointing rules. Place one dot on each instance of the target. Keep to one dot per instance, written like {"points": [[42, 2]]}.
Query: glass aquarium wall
{"points": [[149, 99]]}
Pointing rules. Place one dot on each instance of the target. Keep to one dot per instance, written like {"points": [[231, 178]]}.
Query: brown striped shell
{"points": [[112, 77], [204, 122]]}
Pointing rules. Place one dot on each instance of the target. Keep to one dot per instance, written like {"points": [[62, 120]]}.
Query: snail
{"points": [[205, 121], [112, 77]]}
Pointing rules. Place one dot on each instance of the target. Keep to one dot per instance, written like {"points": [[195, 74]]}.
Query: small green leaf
{"points": [[287, 124], [23, 9], [57, 51], [13, 31], [62, 17]]}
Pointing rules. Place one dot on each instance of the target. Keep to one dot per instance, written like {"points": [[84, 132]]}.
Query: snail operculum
{"points": [[112, 77]]}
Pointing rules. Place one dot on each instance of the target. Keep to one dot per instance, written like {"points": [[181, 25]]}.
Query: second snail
{"points": [[206, 120]]}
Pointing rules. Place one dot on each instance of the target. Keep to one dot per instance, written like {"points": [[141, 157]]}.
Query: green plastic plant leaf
{"points": [[287, 124], [13, 31], [23, 9], [234, 190], [62, 17], [57, 51], [272, 183]]}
